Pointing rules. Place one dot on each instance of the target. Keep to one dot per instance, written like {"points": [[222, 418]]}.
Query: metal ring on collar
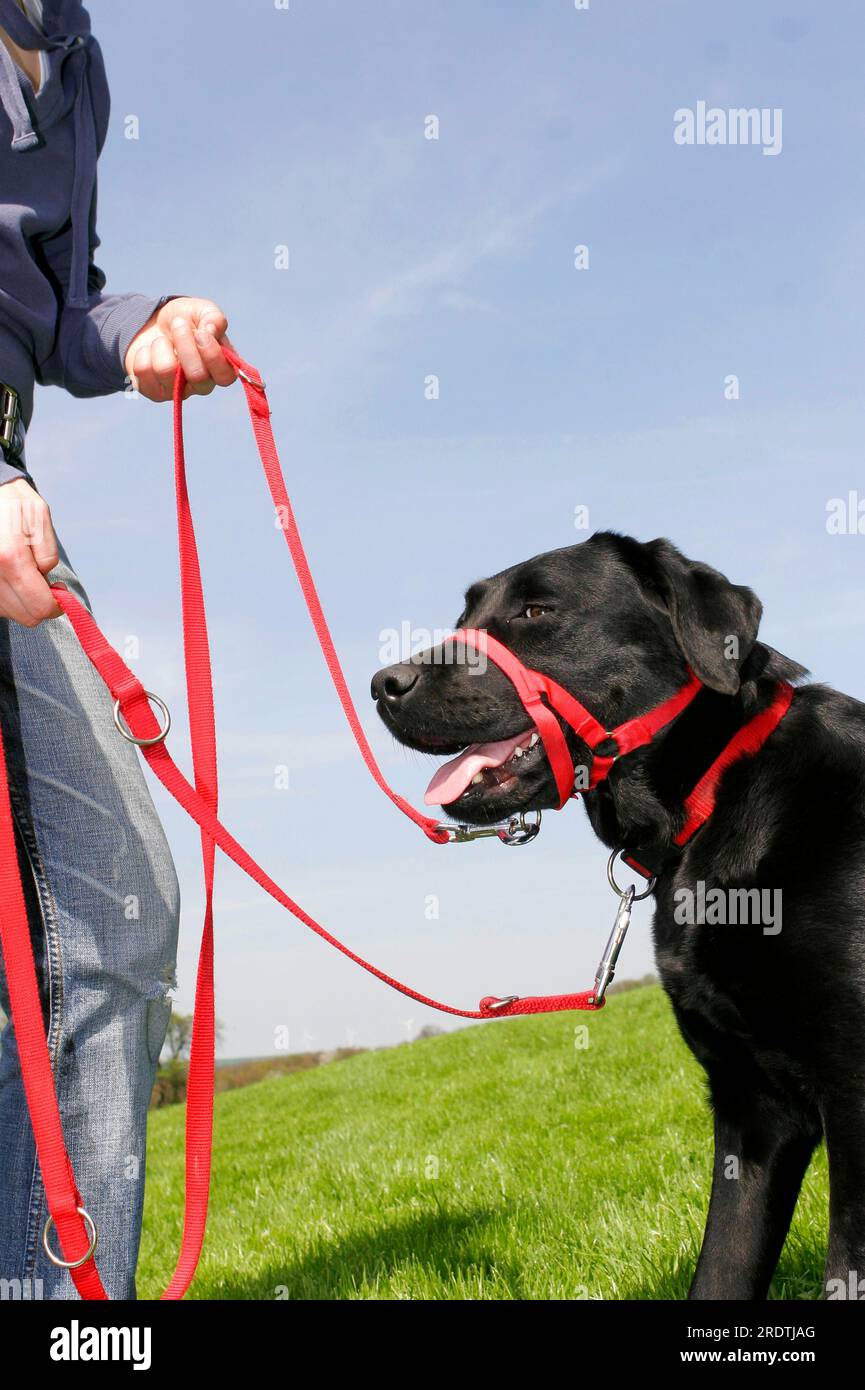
{"points": [[611, 879], [72, 1264], [144, 742], [520, 831]]}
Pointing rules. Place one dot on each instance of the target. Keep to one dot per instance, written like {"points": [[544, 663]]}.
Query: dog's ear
{"points": [[714, 622]]}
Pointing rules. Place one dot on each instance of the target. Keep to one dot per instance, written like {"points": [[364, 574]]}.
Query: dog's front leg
{"points": [[761, 1153], [845, 1145]]}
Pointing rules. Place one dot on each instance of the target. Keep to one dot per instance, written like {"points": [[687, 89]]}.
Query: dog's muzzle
{"points": [[543, 699]]}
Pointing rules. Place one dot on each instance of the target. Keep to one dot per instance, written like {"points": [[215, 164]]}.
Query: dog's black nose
{"points": [[392, 683]]}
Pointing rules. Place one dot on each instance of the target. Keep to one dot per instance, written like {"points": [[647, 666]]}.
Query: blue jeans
{"points": [[103, 902]]}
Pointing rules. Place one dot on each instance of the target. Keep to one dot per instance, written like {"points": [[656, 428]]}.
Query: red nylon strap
{"points": [[260, 415], [635, 733], [61, 1193], [700, 804], [532, 686], [202, 729]]}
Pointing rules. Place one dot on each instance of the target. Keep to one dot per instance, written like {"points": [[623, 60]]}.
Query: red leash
{"points": [[74, 1229], [260, 415], [62, 1195]]}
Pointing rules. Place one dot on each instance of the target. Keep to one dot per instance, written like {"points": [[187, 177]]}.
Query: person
{"points": [[101, 889]]}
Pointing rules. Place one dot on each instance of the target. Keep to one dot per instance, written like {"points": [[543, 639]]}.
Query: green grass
{"points": [[497, 1162]]}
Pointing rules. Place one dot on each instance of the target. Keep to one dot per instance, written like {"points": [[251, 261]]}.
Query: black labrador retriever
{"points": [[775, 1012]]}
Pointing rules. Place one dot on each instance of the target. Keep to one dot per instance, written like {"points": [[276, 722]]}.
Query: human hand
{"points": [[187, 331], [28, 550]]}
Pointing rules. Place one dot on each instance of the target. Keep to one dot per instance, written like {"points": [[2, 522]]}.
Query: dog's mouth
{"points": [[502, 771], [484, 774]]}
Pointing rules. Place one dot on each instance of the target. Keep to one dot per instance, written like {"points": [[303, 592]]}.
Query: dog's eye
{"points": [[534, 610]]}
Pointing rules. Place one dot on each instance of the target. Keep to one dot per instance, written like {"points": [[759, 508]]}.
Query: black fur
{"points": [[777, 1020]]}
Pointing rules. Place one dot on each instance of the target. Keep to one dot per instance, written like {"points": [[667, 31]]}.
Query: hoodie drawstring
{"points": [[83, 182], [24, 137]]}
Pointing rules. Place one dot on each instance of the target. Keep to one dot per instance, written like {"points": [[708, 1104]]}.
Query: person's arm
{"points": [[134, 338], [90, 348], [120, 339], [115, 337], [98, 350], [28, 551]]}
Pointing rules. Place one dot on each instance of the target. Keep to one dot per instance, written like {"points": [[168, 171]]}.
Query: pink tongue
{"points": [[452, 778]]}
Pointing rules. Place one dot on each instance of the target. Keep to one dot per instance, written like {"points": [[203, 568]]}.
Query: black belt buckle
{"points": [[11, 432]]}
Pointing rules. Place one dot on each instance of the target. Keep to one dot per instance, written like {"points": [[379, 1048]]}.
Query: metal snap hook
{"points": [[607, 965], [516, 831]]}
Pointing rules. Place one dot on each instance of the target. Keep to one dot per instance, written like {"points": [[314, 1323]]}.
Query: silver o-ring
{"points": [[72, 1264], [145, 742], [611, 879]]}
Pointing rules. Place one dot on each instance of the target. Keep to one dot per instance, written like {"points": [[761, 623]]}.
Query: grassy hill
{"points": [[498, 1162]]}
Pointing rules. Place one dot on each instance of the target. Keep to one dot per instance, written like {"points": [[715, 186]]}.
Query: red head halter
{"points": [[543, 698]]}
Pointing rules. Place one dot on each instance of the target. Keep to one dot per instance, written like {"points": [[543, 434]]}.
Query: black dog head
{"points": [[614, 621]]}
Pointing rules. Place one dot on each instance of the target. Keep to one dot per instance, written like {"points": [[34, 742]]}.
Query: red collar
{"points": [[700, 803]]}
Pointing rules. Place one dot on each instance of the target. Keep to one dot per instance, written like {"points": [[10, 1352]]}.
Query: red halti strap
{"points": [[543, 698], [636, 733], [531, 686], [700, 804]]}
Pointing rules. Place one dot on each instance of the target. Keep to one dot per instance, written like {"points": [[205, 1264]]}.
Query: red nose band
{"points": [[543, 698]]}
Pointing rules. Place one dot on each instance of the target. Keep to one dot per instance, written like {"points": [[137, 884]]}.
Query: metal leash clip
{"points": [[514, 831], [607, 966], [627, 897]]}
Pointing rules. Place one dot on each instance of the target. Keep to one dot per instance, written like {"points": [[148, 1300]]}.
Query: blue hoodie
{"points": [[56, 326]]}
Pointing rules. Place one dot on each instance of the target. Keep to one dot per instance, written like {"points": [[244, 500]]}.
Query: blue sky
{"points": [[262, 127]]}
